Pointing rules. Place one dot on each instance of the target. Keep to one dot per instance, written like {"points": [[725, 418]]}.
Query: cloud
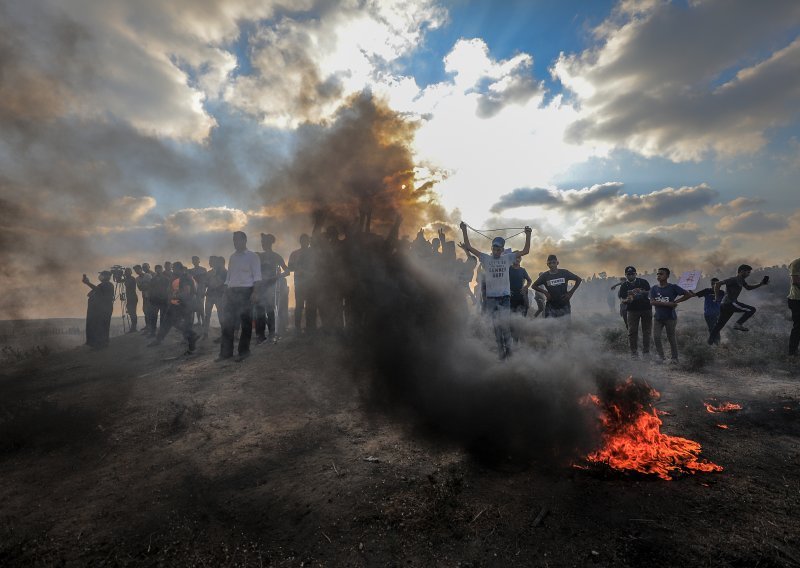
{"points": [[658, 83], [209, 219], [734, 206], [658, 205], [753, 222], [307, 64], [570, 199]]}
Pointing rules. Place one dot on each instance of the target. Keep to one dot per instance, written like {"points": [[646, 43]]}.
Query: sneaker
{"points": [[740, 327], [242, 356], [260, 339], [634, 356], [189, 351]]}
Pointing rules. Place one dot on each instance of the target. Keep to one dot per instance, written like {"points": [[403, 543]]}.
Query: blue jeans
{"points": [[500, 310]]}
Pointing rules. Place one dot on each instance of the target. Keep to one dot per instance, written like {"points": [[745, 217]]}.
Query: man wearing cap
{"points": [[498, 286], [634, 293], [99, 310], [553, 284]]}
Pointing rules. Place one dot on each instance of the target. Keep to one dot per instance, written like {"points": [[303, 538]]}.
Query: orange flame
{"points": [[724, 407], [722, 426], [632, 440]]}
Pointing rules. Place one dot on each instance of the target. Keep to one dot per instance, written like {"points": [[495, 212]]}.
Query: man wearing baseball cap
{"points": [[498, 286], [635, 294]]}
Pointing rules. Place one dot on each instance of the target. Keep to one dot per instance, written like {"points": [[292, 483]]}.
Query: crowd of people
{"points": [[251, 292]]}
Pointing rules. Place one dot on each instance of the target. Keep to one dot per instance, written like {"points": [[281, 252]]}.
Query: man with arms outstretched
{"points": [[498, 286]]}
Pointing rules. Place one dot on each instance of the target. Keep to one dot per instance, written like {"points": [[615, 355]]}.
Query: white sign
{"points": [[689, 279]]}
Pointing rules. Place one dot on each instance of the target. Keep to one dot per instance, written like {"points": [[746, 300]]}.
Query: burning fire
{"points": [[724, 407], [632, 438]]}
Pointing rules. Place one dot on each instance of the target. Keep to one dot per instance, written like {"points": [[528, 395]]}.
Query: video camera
{"points": [[117, 273]]}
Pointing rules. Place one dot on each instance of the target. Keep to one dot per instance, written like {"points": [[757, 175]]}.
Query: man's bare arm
{"points": [[466, 245]]}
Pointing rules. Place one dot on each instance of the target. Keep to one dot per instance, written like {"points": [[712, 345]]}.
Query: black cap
{"points": [[630, 269]]}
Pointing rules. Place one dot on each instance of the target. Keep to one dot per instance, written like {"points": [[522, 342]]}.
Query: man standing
{"points": [[301, 264], [215, 291], [520, 282], [159, 298], [99, 310], [244, 277], [272, 267], [199, 274], [794, 305], [555, 288], [634, 295], [131, 299], [730, 304], [665, 297], [498, 287], [143, 284]]}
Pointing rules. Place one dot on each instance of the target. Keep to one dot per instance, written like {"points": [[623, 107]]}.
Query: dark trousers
{"points": [[726, 312], [130, 307], [238, 310], [794, 338], [623, 313], [180, 317], [670, 326], [159, 309], [212, 301], [635, 319], [147, 308], [711, 321], [519, 305], [500, 310], [304, 304]]}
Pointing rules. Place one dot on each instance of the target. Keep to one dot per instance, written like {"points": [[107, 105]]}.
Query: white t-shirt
{"points": [[244, 269], [496, 274]]}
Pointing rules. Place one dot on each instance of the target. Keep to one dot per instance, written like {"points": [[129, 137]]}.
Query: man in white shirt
{"points": [[498, 287], [242, 284]]}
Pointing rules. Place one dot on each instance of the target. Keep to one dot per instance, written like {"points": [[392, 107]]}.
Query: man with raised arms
{"points": [[498, 287]]}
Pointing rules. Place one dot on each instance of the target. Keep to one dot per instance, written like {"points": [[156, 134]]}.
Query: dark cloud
{"points": [[569, 199], [753, 222], [658, 205], [515, 89]]}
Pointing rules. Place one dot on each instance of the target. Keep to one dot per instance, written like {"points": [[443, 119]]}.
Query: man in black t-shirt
{"points": [[520, 282], [553, 284], [731, 304], [634, 294]]}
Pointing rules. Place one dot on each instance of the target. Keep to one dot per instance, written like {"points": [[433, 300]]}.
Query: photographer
{"points": [[99, 310], [143, 284], [131, 298], [731, 304]]}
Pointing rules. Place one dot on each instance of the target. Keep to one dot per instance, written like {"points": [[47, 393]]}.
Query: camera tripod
{"points": [[119, 292]]}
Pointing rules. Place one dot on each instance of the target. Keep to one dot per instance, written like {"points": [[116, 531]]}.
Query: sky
{"points": [[649, 132]]}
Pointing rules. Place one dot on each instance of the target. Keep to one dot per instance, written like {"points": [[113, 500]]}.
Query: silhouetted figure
{"points": [[301, 264], [183, 292], [98, 311], [520, 282], [711, 304], [244, 277], [794, 305], [143, 280], [159, 296], [131, 299], [199, 274], [272, 267], [215, 291]]}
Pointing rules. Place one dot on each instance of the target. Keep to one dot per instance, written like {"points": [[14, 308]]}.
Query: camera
{"points": [[117, 273]]}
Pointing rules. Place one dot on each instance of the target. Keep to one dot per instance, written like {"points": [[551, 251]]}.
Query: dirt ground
{"points": [[131, 457]]}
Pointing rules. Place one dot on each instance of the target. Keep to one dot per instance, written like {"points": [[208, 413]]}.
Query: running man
{"points": [[498, 287], [730, 303]]}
